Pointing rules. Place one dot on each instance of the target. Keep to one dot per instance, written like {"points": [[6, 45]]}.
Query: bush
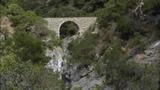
{"points": [[83, 50], [139, 41], [115, 11], [121, 73], [54, 40], [66, 11], [125, 27], [29, 30], [29, 47], [21, 19], [18, 75], [2, 11], [150, 4], [22, 55]]}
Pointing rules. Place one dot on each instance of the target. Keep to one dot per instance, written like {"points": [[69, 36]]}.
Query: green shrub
{"points": [[14, 9], [29, 47], [77, 88], [83, 50], [29, 30], [2, 11], [150, 4], [140, 41], [125, 27], [116, 11], [54, 40], [18, 75], [66, 11], [122, 73], [6, 2], [23, 19], [112, 11]]}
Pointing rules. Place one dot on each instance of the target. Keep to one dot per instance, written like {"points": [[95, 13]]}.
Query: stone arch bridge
{"points": [[83, 23]]}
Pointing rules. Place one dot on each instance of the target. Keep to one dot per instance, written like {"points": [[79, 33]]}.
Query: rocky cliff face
{"points": [[86, 79], [84, 76], [153, 53]]}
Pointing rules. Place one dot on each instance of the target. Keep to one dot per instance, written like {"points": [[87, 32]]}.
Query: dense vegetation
{"points": [[122, 28], [108, 52], [22, 50]]}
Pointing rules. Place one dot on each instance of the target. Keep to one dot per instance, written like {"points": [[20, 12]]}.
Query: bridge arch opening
{"points": [[68, 29]]}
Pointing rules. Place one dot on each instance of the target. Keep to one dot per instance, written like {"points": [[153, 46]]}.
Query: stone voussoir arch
{"points": [[83, 23]]}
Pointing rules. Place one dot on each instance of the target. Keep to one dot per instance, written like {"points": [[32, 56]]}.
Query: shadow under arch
{"points": [[68, 29]]}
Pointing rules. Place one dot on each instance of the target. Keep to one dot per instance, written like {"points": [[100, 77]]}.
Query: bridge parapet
{"points": [[83, 23]]}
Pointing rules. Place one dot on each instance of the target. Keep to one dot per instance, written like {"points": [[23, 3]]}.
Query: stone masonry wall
{"points": [[83, 23]]}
